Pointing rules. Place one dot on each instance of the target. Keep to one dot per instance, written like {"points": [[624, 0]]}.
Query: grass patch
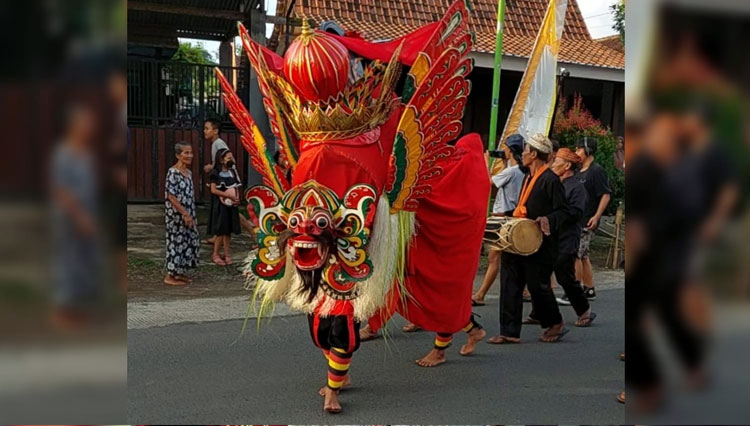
{"points": [[142, 262], [143, 266]]}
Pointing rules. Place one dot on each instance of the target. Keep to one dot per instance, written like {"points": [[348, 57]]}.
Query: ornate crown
{"points": [[313, 63]]}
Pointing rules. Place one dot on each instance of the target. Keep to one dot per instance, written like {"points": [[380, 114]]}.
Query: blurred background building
{"points": [[170, 95]]}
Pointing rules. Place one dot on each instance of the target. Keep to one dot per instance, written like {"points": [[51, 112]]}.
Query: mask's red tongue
{"points": [[307, 256], [308, 252]]}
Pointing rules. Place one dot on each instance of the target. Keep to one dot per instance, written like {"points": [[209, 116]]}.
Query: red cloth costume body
{"points": [[442, 262]]}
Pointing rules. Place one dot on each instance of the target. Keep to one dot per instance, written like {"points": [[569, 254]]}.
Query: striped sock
{"points": [[443, 340], [472, 324], [338, 367]]}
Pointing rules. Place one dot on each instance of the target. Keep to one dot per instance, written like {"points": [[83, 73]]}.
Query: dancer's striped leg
{"points": [[443, 340], [338, 367], [472, 324]]}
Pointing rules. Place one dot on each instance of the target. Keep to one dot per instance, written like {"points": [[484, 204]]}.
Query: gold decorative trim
{"points": [[352, 112]]}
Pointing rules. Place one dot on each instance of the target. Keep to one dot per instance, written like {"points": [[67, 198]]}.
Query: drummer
{"points": [[542, 199], [508, 183], [565, 165]]}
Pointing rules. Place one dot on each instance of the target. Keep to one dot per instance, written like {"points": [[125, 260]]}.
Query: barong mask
{"points": [[306, 220]]}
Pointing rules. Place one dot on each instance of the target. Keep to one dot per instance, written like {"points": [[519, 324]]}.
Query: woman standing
{"points": [[225, 217], [182, 231]]}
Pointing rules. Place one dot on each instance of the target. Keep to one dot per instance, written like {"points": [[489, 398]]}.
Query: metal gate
{"points": [[168, 102]]}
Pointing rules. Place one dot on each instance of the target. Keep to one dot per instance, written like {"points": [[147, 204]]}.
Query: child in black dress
{"points": [[225, 196]]}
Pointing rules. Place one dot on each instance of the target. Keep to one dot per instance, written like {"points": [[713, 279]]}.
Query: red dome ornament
{"points": [[317, 65]]}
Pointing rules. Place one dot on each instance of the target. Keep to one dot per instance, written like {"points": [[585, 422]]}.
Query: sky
{"points": [[596, 13], [598, 16]]}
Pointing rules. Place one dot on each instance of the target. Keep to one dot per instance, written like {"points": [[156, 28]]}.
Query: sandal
{"points": [[228, 259], [586, 322], [553, 338], [527, 299], [475, 302], [502, 340], [411, 328], [218, 260], [530, 321]]}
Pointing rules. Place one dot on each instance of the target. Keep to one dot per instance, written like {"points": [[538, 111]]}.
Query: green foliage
{"points": [[194, 54], [578, 122], [618, 14]]}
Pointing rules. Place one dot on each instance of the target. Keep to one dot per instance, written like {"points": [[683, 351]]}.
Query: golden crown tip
{"points": [[306, 30]]}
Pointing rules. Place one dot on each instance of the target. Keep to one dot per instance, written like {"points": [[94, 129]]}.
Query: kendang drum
{"points": [[513, 235]]}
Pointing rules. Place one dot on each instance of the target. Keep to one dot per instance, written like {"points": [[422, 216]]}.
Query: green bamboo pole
{"points": [[496, 83]]}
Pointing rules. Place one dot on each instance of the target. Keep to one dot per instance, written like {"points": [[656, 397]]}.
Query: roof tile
{"points": [[394, 18]]}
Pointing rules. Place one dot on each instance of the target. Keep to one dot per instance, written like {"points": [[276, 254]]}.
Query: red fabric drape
{"points": [[444, 256], [339, 165], [413, 44]]}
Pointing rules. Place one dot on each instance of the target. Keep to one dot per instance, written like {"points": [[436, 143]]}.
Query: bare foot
{"points": [[331, 403], [435, 357], [475, 336], [347, 382], [184, 278], [170, 280], [366, 333], [410, 328]]}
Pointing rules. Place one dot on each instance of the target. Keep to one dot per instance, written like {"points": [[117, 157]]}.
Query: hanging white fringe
{"points": [[247, 268], [386, 254]]}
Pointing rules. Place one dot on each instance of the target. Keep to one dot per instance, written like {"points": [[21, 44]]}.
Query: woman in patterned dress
{"points": [[181, 224]]}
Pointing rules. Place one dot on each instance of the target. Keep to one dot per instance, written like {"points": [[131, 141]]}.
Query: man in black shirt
{"points": [[543, 200], [565, 165], [594, 179]]}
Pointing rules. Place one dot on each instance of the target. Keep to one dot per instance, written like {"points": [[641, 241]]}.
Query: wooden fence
{"points": [[151, 154]]}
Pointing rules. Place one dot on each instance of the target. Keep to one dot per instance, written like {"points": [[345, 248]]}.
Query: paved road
{"points": [[193, 373]]}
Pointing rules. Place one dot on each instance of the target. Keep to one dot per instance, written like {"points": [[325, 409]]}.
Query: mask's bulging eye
{"points": [[293, 221], [322, 222]]}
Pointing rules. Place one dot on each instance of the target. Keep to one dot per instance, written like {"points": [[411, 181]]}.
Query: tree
{"points": [[571, 124], [197, 54], [618, 14]]}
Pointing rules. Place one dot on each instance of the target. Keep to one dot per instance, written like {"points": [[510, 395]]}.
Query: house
{"points": [[167, 101]]}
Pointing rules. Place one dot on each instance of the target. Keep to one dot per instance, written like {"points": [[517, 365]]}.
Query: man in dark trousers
{"points": [[543, 200], [594, 179], [565, 165]]}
